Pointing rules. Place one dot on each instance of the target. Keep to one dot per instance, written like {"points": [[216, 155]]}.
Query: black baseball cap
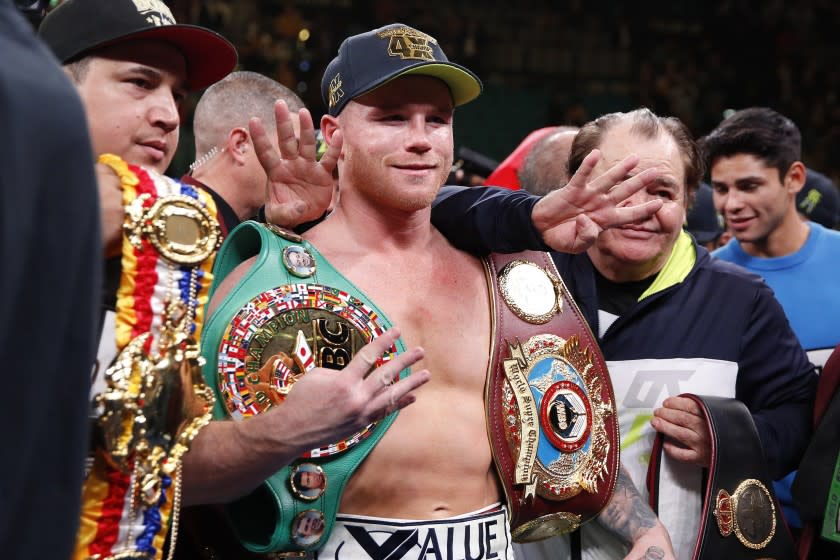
{"points": [[369, 60], [76, 28], [702, 220], [819, 199]]}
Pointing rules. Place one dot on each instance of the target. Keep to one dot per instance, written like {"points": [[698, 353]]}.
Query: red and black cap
{"points": [[369, 60], [76, 28]]}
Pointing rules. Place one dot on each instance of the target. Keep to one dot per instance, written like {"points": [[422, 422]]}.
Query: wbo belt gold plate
{"points": [[178, 226], [530, 292], [554, 418]]}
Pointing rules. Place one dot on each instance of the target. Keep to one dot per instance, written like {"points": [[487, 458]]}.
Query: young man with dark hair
{"points": [[754, 158]]}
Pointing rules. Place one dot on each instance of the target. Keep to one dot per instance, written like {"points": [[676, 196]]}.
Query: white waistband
{"points": [[480, 535], [352, 518]]}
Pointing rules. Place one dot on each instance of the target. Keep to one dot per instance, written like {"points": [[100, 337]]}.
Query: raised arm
{"points": [[299, 187], [568, 219]]}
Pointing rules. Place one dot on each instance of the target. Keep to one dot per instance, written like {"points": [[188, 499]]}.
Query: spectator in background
{"points": [[50, 248], [226, 164], [546, 166], [506, 174], [756, 172], [819, 200], [702, 220], [756, 175]]}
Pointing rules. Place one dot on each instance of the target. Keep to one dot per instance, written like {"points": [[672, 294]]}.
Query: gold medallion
{"points": [[530, 292], [546, 526], [177, 226], [308, 527], [749, 513], [299, 261]]}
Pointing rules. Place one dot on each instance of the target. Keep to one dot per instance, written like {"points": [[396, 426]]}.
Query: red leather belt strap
{"points": [[550, 406]]}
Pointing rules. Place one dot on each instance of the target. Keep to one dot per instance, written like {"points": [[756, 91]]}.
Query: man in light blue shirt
{"points": [[754, 162]]}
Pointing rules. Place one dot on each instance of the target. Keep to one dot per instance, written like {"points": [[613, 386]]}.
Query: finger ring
{"points": [[386, 380], [392, 400]]}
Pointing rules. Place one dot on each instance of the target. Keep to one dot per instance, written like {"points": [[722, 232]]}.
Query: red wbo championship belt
{"points": [[740, 518], [551, 411]]}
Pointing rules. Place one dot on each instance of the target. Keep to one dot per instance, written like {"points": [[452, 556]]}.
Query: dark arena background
{"points": [[565, 62]]}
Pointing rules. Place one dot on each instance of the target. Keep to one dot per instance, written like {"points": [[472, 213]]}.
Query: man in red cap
{"points": [[132, 66]]}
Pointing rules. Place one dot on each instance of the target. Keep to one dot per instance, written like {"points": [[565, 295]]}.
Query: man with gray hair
{"points": [[226, 163], [546, 166]]}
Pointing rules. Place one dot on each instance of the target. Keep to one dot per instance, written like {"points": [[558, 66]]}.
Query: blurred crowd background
{"points": [[548, 63]]}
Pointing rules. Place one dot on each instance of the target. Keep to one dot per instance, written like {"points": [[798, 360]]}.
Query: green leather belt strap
{"points": [[264, 519]]}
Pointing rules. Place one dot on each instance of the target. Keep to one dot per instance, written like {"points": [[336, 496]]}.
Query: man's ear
{"points": [[329, 125], [238, 144], [795, 177]]}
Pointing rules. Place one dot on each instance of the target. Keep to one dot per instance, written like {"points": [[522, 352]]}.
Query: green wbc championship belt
{"points": [[291, 312]]}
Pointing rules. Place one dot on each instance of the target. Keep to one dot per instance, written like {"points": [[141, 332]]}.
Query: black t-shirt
{"points": [[617, 297]]}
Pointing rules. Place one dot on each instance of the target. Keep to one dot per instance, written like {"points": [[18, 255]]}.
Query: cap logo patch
{"points": [[335, 93], [408, 43], [811, 200], [155, 12]]}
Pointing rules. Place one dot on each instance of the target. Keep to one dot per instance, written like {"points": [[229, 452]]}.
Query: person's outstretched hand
{"points": [[571, 218], [299, 187]]}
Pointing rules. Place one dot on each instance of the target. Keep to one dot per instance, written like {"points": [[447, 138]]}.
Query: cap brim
{"points": [[705, 236], [463, 84], [209, 56]]}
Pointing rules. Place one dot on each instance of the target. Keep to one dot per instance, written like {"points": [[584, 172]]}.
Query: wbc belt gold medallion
{"points": [[178, 226], [749, 513], [283, 333], [554, 418]]}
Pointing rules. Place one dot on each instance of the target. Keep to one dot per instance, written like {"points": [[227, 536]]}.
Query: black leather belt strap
{"points": [[741, 517]]}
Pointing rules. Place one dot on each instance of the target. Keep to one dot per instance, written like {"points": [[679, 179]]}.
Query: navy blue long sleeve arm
{"points": [[778, 384], [481, 220]]}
